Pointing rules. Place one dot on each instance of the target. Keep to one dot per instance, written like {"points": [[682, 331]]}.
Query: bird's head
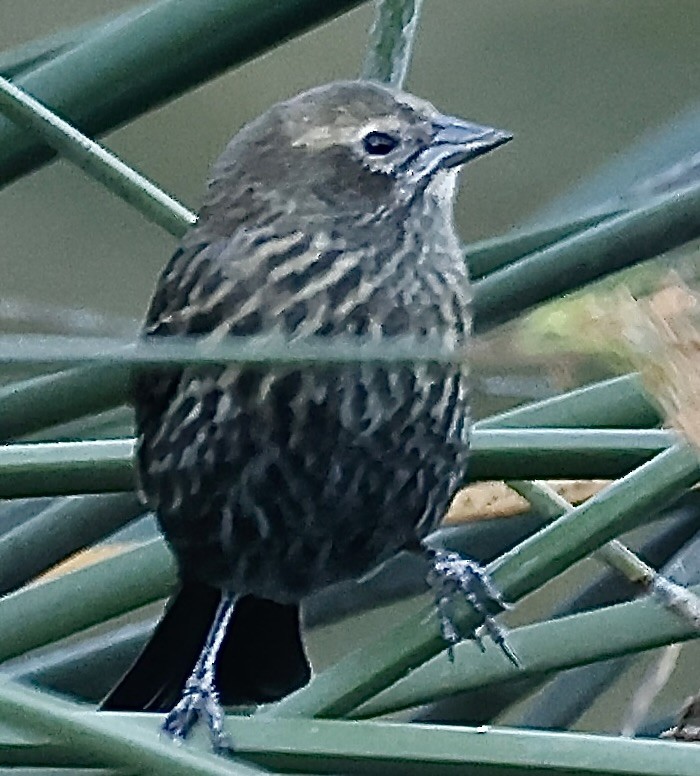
{"points": [[354, 147]]}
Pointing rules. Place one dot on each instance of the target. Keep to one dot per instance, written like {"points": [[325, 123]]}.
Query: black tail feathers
{"points": [[261, 660]]}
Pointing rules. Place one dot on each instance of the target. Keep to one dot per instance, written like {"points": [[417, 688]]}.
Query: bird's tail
{"points": [[261, 659]]}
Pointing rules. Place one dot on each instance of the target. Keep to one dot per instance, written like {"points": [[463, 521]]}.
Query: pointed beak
{"points": [[460, 141]]}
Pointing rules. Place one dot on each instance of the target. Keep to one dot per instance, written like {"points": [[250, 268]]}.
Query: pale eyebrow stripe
{"points": [[322, 137]]}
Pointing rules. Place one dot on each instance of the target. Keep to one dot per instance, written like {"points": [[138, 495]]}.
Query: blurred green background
{"points": [[576, 81]]}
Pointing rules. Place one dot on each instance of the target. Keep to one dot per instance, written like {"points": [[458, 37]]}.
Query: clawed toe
{"points": [[454, 578], [198, 701]]}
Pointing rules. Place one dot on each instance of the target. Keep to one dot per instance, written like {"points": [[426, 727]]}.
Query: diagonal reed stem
{"points": [[391, 41]]}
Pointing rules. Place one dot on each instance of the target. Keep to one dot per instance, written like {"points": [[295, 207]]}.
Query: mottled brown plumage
{"points": [[329, 215]]}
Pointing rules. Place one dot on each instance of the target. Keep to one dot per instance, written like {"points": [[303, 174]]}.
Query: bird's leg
{"points": [[200, 698], [452, 577]]}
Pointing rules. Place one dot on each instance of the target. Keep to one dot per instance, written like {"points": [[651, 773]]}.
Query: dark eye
{"points": [[379, 143]]}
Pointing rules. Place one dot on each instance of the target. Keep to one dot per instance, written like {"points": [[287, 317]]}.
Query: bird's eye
{"points": [[379, 143]]}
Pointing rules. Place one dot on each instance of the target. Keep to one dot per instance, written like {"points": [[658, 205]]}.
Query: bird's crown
{"points": [[347, 130]]}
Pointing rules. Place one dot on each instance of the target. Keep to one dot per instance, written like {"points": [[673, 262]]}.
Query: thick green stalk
{"points": [[105, 465], [28, 56], [43, 613], [338, 746], [113, 739], [489, 255], [618, 242], [66, 468], [31, 405], [533, 453], [335, 746], [542, 648], [617, 403], [61, 529], [116, 423], [269, 350]]}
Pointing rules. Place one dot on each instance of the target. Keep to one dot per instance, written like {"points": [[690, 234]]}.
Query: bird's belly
{"points": [[310, 478]]}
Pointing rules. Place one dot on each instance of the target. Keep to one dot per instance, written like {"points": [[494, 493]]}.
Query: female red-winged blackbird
{"points": [[331, 214]]}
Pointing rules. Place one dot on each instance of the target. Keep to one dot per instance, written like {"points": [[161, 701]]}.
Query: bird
{"points": [[330, 215]]}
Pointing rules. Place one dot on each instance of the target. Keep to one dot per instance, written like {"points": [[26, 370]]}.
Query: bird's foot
{"points": [[199, 700], [453, 578]]}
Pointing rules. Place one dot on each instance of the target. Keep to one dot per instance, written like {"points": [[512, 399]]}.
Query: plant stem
{"points": [[391, 40]]}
